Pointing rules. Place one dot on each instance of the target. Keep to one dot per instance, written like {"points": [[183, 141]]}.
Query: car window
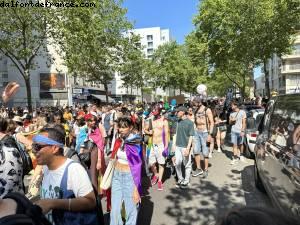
{"points": [[265, 122], [285, 121], [258, 119]]}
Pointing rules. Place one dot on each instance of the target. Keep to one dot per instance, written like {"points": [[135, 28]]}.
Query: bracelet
{"points": [[70, 204]]}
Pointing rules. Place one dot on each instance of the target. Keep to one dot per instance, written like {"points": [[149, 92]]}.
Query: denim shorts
{"points": [[236, 138], [200, 143]]}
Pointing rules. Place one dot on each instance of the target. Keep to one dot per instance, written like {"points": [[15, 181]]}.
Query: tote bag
{"points": [[109, 172]]}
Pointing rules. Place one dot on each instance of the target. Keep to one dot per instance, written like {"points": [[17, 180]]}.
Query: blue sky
{"points": [[177, 15]]}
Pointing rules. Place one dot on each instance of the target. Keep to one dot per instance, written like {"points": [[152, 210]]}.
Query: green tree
{"points": [[172, 68], [92, 40], [237, 35], [134, 69], [24, 35]]}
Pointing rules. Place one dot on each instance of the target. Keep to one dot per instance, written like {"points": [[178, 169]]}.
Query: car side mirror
{"points": [[250, 123]]}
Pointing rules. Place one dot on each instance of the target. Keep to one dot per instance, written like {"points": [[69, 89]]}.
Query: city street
{"points": [[207, 199]]}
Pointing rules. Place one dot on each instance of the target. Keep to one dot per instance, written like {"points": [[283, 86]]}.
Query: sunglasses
{"points": [[37, 147]]}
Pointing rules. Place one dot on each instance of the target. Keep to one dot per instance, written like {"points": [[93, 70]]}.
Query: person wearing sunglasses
{"points": [[48, 147]]}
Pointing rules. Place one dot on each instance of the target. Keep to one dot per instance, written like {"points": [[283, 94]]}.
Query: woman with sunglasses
{"points": [[126, 182]]}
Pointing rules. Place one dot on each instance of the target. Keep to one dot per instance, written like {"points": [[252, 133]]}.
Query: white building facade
{"points": [[284, 72], [51, 84], [150, 40]]}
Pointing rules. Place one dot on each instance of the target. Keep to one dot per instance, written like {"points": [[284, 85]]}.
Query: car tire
{"points": [[258, 183]]}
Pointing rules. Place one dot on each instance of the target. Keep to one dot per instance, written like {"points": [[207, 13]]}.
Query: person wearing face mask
{"points": [[126, 181], [160, 141]]}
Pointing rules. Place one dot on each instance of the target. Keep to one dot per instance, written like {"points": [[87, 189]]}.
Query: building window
{"points": [[5, 83], [4, 75], [163, 38], [150, 44], [150, 56], [149, 37], [149, 51]]}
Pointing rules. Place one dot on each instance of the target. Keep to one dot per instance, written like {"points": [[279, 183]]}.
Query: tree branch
{"points": [[17, 64]]}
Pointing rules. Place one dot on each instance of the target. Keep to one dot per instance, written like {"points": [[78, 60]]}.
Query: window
{"points": [[150, 44], [150, 51], [5, 75], [163, 38], [5, 83], [149, 37]]}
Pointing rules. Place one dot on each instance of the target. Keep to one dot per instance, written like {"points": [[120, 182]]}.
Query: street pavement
{"points": [[206, 200]]}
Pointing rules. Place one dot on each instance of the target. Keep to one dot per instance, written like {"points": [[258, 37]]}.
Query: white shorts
{"points": [[156, 154]]}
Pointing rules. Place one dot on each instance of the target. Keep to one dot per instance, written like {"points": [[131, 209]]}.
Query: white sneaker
{"points": [[210, 155], [242, 158], [234, 161], [219, 150]]}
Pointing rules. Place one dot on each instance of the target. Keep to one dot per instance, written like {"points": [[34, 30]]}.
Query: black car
{"points": [[277, 153]]}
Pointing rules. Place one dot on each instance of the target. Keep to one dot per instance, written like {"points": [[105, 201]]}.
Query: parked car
{"points": [[277, 153], [254, 117]]}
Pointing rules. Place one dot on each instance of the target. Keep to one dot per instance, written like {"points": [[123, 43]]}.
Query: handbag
{"points": [[109, 172]]}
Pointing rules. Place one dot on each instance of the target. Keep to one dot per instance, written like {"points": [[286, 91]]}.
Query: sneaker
{"points": [[160, 186], [210, 155], [234, 161], [205, 174], [197, 172], [219, 150], [184, 185], [242, 158], [178, 183], [154, 180]]}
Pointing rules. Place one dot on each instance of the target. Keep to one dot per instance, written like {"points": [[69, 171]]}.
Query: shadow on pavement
{"points": [[204, 203]]}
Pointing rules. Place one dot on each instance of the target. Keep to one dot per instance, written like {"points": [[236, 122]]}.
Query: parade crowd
{"points": [[77, 157]]}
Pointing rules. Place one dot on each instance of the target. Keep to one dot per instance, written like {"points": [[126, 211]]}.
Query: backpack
{"points": [[72, 154], [64, 217], [11, 142], [27, 213]]}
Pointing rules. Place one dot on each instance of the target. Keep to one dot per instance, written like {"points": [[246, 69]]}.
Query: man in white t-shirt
{"points": [[48, 149], [238, 121]]}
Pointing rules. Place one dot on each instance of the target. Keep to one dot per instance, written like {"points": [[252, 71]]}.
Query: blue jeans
{"points": [[122, 191], [200, 143]]}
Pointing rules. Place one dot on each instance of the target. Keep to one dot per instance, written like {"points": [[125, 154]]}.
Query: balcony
{"points": [[294, 55], [293, 68]]}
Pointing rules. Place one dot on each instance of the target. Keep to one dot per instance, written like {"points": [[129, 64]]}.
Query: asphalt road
{"points": [[206, 200]]}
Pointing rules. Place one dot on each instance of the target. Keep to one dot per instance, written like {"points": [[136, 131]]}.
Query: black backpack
{"points": [[27, 213], [11, 142]]}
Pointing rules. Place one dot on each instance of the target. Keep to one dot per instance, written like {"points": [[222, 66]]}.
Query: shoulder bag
{"points": [[108, 175]]}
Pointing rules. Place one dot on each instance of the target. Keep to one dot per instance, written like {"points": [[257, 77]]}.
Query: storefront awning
{"points": [[102, 98]]}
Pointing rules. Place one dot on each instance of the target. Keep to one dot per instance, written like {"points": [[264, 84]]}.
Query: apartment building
{"points": [[284, 72], [51, 83], [150, 39]]}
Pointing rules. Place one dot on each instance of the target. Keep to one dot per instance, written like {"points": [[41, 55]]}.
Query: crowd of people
{"points": [[71, 148]]}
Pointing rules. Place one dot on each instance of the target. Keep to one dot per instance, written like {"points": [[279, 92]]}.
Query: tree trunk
{"points": [[106, 91], [142, 94], [267, 85], [28, 89]]}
